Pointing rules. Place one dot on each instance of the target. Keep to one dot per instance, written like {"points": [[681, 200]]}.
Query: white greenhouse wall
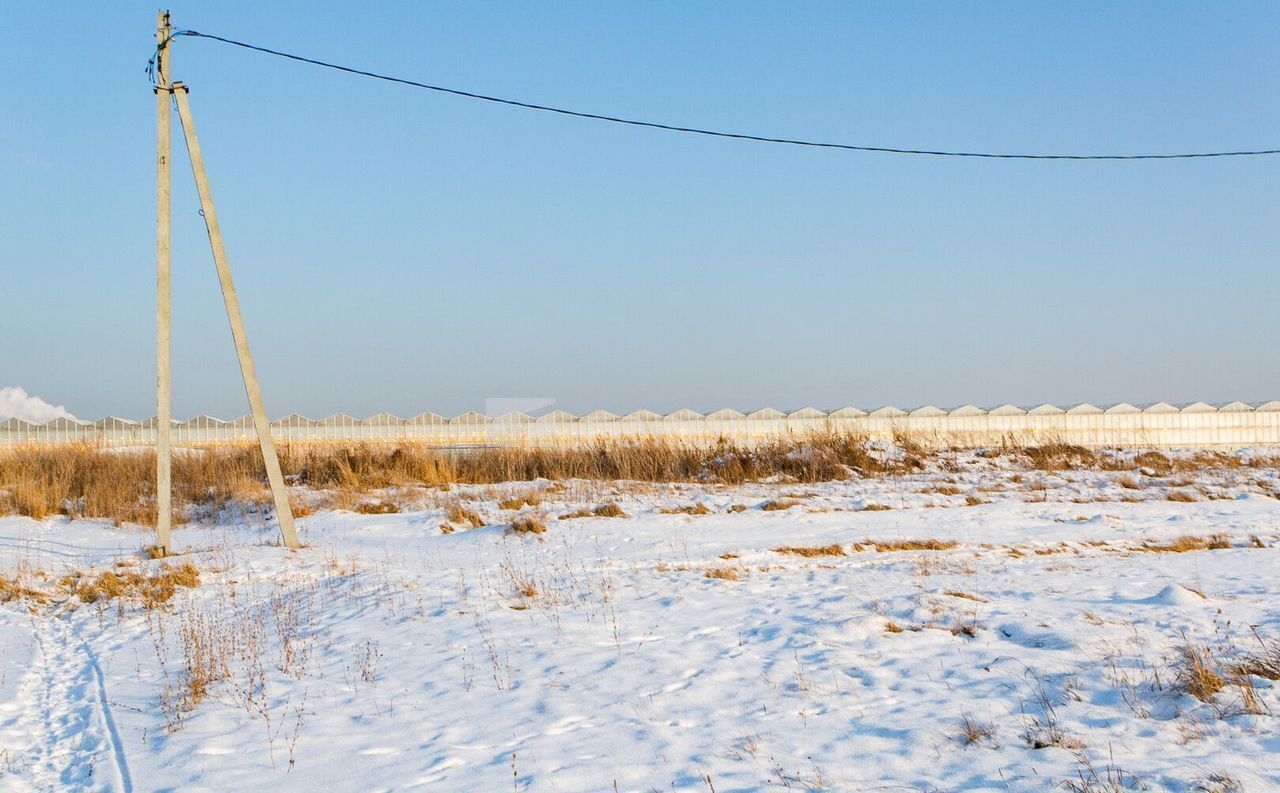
{"points": [[1195, 426]]}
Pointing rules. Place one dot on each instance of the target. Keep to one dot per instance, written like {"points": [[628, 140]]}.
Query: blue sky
{"points": [[405, 251]]}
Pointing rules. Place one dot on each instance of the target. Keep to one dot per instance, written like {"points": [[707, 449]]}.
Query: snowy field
{"points": [[666, 650]]}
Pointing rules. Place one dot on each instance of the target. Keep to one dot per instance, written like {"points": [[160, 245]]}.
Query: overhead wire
{"points": [[151, 71]]}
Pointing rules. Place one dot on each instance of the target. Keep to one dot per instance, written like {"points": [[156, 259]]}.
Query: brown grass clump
{"points": [[1129, 483], [967, 628], [973, 731], [1214, 542], [12, 588], [152, 590], [975, 501], [875, 508], [1060, 457], [1264, 662], [689, 509], [459, 515], [1181, 496], [377, 508], [1197, 672], [609, 510], [835, 549], [531, 498], [964, 595], [528, 524], [723, 573], [778, 505], [893, 627], [912, 545], [1154, 461]]}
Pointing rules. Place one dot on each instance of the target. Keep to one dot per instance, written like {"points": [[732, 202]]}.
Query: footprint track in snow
{"points": [[72, 733]]}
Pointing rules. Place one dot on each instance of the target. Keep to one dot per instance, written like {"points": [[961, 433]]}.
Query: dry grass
{"points": [[1197, 671], [1060, 457], [91, 482], [531, 498], [151, 591], [1109, 779], [835, 549], [12, 588], [1263, 662], [377, 508], [689, 509], [1155, 462], [96, 483], [459, 515], [1214, 542], [973, 731], [912, 545], [724, 573], [1181, 496], [778, 505], [609, 510], [529, 524], [955, 593]]}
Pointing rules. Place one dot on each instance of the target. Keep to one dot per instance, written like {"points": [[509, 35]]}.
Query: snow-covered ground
{"points": [[600, 655]]}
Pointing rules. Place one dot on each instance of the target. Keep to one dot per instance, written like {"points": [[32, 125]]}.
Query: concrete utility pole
{"points": [[164, 382], [260, 424]]}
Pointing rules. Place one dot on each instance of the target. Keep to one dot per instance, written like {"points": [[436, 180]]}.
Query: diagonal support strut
{"points": [[278, 492]]}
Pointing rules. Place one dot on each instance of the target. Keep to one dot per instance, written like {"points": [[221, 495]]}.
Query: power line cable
{"points": [[690, 130]]}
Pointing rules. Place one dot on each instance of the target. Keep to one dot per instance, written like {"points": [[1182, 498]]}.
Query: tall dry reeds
{"points": [[120, 485]]}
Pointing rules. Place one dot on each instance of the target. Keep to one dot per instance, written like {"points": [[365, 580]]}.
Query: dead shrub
{"points": [[1181, 496], [723, 573], [1129, 483], [609, 510]]}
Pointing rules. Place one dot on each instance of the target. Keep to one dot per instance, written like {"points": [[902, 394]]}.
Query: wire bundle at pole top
{"points": [[151, 70]]}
